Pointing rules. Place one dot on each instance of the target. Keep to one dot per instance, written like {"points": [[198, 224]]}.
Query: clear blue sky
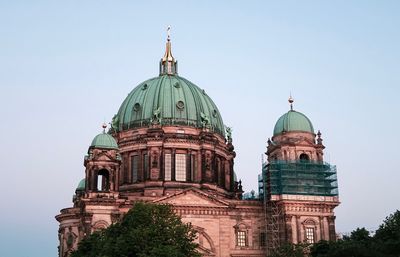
{"points": [[66, 66]]}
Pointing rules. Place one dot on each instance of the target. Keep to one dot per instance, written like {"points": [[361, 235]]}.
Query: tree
{"points": [[360, 234], [147, 230], [387, 236], [290, 250], [385, 242], [390, 229]]}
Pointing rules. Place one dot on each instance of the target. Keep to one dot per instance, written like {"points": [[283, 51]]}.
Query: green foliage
{"points": [[388, 235], [385, 242], [147, 230], [291, 250], [360, 234], [342, 248]]}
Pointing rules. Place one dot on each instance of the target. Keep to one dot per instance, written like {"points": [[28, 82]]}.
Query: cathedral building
{"points": [[168, 144]]}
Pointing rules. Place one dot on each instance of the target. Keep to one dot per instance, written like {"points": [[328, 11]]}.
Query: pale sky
{"points": [[66, 66]]}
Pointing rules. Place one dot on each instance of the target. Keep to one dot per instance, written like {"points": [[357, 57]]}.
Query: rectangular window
{"points": [[180, 167], [167, 167], [241, 238], [134, 168], [310, 235]]}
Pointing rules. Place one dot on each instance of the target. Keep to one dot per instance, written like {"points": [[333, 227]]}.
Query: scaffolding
{"points": [[292, 178], [302, 178]]}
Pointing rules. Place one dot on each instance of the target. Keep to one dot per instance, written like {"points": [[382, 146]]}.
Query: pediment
{"points": [[193, 197], [299, 141], [304, 141], [104, 156]]}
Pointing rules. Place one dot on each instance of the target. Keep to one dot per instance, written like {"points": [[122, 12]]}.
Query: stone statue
{"points": [[205, 120], [228, 133], [156, 116]]}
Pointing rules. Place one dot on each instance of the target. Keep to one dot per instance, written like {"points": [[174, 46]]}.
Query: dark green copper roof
{"points": [[104, 140], [176, 100], [293, 121]]}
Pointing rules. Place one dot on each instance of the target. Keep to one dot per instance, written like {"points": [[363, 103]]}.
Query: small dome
{"points": [[173, 100], [104, 140], [293, 121], [81, 186]]}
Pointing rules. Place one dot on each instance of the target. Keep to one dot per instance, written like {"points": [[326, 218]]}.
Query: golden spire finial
{"points": [[168, 53], [291, 100], [168, 65]]}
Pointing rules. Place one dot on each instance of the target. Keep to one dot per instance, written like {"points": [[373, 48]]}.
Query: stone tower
{"points": [[301, 189]]}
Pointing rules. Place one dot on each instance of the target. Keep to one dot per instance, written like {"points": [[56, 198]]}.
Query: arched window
{"points": [[309, 230], [304, 157], [241, 232], [103, 180]]}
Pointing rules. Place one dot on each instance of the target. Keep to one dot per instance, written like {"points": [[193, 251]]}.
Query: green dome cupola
{"points": [[81, 185], [168, 100], [293, 121], [104, 140]]}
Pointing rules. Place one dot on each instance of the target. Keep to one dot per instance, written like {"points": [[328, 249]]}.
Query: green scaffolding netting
{"points": [[299, 178]]}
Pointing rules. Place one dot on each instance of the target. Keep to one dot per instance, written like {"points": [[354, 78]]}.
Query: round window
{"points": [[136, 107], [180, 104]]}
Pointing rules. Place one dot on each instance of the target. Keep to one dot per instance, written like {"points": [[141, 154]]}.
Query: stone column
{"points": [[294, 230], [321, 228], [203, 166], [332, 232], [299, 229], [288, 228], [173, 152], [188, 166]]}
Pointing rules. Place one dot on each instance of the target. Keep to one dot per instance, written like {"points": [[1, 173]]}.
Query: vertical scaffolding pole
{"points": [[273, 215]]}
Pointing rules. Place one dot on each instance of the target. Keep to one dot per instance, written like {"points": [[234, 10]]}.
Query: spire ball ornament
{"points": [[104, 126], [291, 100]]}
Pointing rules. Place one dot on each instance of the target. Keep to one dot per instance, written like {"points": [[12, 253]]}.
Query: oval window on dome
{"points": [[136, 107], [180, 105], [144, 87], [215, 114], [177, 85]]}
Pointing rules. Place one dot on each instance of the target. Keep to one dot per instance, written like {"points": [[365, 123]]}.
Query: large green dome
{"points": [[293, 121], [168, 100], [104, 140]]}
